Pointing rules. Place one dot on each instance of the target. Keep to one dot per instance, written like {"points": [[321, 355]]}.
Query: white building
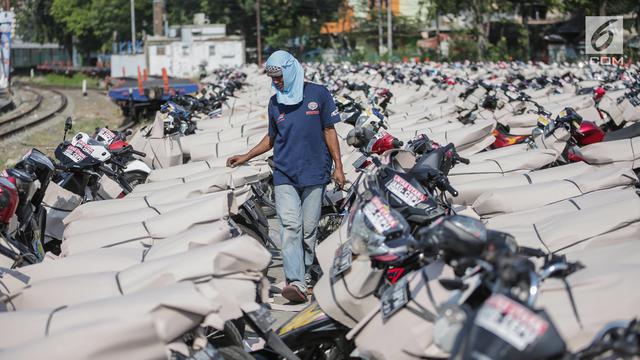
{"points": [[190, 48], [185, 52]]}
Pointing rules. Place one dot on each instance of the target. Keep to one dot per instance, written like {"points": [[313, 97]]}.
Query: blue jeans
{"points": [[298, 211]]}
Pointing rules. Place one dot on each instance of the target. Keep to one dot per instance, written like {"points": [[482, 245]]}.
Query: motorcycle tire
{"points": [[234, 353], [331, 349], [231, 335], [135, 178]]}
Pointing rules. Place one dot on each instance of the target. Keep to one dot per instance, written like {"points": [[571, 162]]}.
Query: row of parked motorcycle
{"points": [[491, 212]]}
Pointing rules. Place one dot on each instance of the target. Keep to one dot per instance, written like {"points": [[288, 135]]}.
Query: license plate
{"points": [[358, 163], [107, 135], [379, 215], [542, 121], [405, 191], [262, 319], [394, 298], [511, 321], [342, 260], [76, 155]]}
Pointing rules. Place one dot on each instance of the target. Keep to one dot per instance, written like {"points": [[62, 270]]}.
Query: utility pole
{"points": [[380, 45], [258, 40], [438, 52], [389, 27], [133, 26]]}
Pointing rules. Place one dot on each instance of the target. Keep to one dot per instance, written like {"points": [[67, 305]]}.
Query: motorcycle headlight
{"points": [[371, 223]]}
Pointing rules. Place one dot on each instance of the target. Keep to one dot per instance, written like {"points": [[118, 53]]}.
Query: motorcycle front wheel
{"points": [[330, 349], [135, 178]]}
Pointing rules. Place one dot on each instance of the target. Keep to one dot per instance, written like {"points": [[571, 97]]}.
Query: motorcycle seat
{"points": [[624, 133]]}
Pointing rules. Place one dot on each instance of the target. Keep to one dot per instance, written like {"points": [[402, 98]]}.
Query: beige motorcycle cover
{"points": [[507, 165], [118, 258], [524, 197], [470, 191], [604, 291], [175, 309], [409, 333], [161, 150], [144, 233], [570, 208], [241, 258], [625, 152], [253, 172], [556, 233], [134, 338], [58, 203], [349, 296]]}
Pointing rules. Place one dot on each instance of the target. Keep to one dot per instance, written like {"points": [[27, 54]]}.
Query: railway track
{"points": [[48, 103]]}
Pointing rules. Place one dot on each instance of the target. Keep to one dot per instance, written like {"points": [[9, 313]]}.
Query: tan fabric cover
{"points": [[404, 335], [173, 308], [159, 227], [93, 224], [469, 191], [569, 207], [625, 152], [178, 171], [604, 291], [240, 258], [517, 163], [162, 151], [353, 290], [116, 258], [134, 338], [500, 201], [58, 203], [559, 232]]}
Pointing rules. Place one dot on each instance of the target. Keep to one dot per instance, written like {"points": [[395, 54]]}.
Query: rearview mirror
{"points": [[68, 124]]}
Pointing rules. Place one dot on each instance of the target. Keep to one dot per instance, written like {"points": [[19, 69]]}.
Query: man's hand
{"points": [[237, 160], [338, 177]]}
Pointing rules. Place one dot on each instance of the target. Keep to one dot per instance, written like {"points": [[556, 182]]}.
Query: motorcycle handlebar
{"points": [[107, 170], [139, 153], [450, 189]]}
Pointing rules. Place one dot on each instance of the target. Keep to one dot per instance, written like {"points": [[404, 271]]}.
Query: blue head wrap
{"points": [[292, 76]]}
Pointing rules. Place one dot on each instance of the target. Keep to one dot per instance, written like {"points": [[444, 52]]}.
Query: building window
{"points": [[212, 50], [160, 50], [186, 50]]}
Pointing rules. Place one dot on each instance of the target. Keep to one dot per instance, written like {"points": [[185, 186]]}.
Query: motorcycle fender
{"points": [[138, 165]]}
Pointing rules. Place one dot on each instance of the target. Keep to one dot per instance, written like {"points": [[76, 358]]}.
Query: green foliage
{"points": [[463, 47], [498, 51], [598, 7], [92, 23], [35, 22], [74, 81]]}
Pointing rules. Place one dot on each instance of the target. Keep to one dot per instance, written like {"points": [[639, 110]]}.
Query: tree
{"points": [[93, 22], [35, 23]]}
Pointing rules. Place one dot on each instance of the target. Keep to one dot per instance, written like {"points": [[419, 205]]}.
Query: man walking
{"points": [[305, 144]]}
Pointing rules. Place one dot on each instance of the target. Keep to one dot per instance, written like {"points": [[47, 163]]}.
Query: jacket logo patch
{"points": [[314, 112], [335, 112], [280, 118], [312, 105]]}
